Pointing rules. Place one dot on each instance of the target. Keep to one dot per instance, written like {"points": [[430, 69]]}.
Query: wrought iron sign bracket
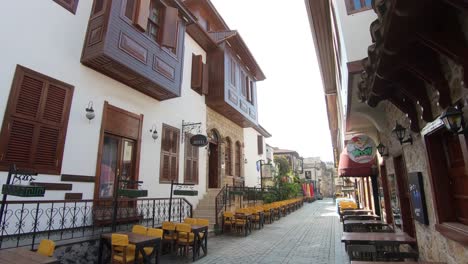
{"points": [[189, 127]]}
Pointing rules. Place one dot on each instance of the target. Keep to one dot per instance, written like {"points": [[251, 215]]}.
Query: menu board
{"points": [[418, 201]]}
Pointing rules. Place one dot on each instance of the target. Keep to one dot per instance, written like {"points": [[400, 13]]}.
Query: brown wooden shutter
{"points": [[260, 144], [197, 73], [169, 35], [169, 154], [191, 162], [142, 14], [35, 124], [205, 83]]}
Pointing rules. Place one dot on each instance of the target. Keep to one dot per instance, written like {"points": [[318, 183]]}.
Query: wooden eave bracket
{"points": [[407, 108], [415, 90], [459, 4]]}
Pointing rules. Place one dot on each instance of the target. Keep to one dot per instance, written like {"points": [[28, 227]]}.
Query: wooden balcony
{"points": [[116, 46]]}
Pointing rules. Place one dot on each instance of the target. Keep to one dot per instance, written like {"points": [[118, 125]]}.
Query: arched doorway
{"points": [[213, 160]]}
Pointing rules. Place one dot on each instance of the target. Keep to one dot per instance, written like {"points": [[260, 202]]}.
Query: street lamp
{"points": [[453, 120], [400, 132]]}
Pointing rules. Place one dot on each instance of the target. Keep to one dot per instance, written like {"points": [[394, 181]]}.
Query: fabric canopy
{"points": [[349, 168]]}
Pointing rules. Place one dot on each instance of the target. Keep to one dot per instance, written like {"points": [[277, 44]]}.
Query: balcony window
{"points": [[154, 21], [356, 6]]}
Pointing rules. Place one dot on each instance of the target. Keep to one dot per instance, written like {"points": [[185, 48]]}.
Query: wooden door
{"points": [[213, 175], [386, 194], [404, 196], [457, 159]]}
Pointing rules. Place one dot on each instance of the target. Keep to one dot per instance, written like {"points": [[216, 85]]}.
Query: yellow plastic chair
{"points": [[191, 221], [120, 250], [185, 237], [139, 229], [46, 248]]}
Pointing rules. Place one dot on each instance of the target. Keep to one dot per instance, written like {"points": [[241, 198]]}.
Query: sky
{"points": [[291, 100]]}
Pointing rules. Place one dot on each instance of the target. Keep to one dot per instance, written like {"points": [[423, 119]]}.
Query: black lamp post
{"points": [[381, 149], [453, 120], [400, 132]]}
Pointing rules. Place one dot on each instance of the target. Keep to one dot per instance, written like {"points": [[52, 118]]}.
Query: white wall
{"points": [[354, 30], [46, 38], [252, 175]]}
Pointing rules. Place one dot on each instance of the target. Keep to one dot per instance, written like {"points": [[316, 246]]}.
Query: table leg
{"points": [[195, 245], [100, 252]]}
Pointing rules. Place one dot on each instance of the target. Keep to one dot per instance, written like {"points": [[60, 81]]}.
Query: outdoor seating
{"points": [[202, 222], [189, 220], [362, 252], [169, 234], [185, 237], [120, 250], [139, 229], [228, 221], [153, 232], [46, 248]]}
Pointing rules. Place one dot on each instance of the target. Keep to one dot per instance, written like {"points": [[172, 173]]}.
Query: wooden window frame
{"points": [[165, 128], [161, 23], [244, 83], [228, 156], [444, 208], [194, 176], [250, 92], [71, 7], [260, 144], [238, 159], [350, 7], [38, 122], [232, 72]]}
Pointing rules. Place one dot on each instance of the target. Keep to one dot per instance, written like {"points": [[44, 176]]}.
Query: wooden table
{"points": [[356, 212], [368, 224], [140, 242], [248, 218], [24, 256], [200, 243], [392, 262], [376, 238], [361, 217]]}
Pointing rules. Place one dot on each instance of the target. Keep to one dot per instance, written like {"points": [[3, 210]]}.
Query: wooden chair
{"points": [[191, 221], [46, 248], [228, 221], [202, 222], [169, 234], [185, 237], [153, 232], [120, 250], [362, 252], [139, 229]]}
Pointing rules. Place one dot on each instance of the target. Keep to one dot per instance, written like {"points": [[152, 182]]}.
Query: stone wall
{"points": [[226, 128], [432, 245]]}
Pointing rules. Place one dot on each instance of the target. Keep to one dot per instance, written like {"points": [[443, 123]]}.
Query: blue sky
{"points": [[291, 99]]}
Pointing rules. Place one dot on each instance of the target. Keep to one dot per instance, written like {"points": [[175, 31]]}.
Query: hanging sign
{"points": [[199, 140], [23, 191], [361, 149], [188, 190]]}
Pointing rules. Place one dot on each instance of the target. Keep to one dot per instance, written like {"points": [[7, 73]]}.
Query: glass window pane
{"points": [[357, 4], [108, 167]]}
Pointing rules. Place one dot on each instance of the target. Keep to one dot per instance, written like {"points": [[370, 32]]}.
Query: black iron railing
{"points": [[25, 223], [220, 203]]}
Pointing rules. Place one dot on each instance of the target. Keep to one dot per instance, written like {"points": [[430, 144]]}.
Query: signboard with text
{"points": [[361, 149]]}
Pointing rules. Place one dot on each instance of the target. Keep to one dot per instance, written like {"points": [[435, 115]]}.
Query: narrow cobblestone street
{"points": [[308, 235]]}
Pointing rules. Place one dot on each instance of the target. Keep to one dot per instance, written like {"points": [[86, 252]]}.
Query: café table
{"points": [[200, 242], [369, 224], [393, 262], [361, 217], [24, 256], [356, 211], [376, 238], [140, 242]]}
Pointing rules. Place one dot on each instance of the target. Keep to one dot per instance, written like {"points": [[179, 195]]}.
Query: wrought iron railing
{"points": [[25, 223], [220, 203]]}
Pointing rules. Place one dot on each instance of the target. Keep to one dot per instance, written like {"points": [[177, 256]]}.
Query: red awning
{"points": [[349, 168]]}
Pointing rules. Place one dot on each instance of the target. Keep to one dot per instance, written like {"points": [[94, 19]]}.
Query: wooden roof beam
{"points": [[408, 108]]}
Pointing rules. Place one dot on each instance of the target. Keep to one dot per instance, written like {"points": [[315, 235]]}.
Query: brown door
{"points": [[456, 147], [213, 177], [386, 195], [404, 196]]}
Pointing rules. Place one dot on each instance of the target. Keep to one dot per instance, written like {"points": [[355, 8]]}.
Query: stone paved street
{"points": [[309, 235]]}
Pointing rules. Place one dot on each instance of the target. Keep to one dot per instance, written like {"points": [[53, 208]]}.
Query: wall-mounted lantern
{"points": [[154, 132], [381, 149], [90, 111], [453, 120], [400, 132]]}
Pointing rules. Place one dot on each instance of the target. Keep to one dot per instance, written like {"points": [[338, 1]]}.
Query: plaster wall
{"points": [[251, 169], [51, 43]]}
